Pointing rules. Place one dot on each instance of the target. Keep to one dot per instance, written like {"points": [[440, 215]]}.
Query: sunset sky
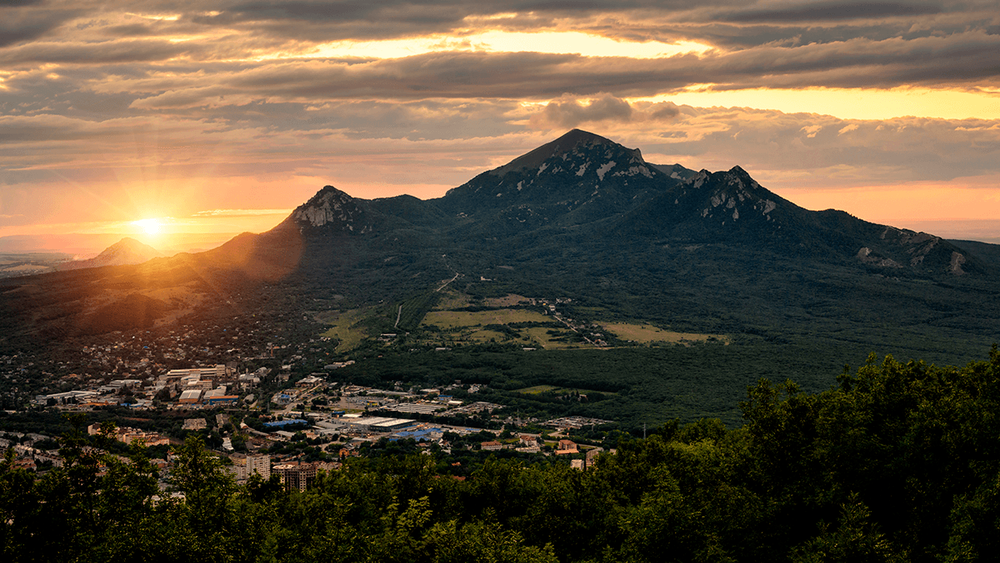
{"points": [[205, 119]]}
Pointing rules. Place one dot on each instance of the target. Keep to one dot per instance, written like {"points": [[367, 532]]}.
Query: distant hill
{"points": [[127, 251], [26, 264]]}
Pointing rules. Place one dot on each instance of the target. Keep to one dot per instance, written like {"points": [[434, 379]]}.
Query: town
{"points": [[274, 408]]}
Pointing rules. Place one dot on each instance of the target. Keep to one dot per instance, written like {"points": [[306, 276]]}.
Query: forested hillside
{"points": [[897, 462]]}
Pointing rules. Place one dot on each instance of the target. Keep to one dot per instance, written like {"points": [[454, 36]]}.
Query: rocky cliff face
{"points": [[332, 208]]}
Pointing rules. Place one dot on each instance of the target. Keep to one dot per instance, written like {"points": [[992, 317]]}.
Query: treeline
{"points": [[897, 462]]}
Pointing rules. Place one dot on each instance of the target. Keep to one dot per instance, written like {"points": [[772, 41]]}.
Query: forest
{"points": [[895, 462]]}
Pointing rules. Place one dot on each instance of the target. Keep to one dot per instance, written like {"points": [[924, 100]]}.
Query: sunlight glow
{"points": [[964, 199], [847, 103], [566, 42], [149, 226], [171, 18]]}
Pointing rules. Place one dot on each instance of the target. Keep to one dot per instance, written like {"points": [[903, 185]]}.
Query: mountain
{"points": [[127, 251], [579, 179], [732, 207], [585, 186], [581, 217]]}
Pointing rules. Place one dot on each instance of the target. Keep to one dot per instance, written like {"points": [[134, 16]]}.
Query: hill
{"points": [[124, 252]]}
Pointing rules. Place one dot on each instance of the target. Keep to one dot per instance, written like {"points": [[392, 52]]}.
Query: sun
{"points": [[149, 226]]}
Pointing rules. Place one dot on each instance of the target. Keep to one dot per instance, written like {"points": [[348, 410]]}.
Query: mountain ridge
{"points": [[581, 216]]}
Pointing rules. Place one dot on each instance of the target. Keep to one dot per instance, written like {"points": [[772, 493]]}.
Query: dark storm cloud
{"points": [[832, 11], [107, 52], [438, 13], [399, 18], [938, 149], [958, 60], [54, 129], [568, 112], [131, 30], [731, 22], [824, 151], [19, 23]]}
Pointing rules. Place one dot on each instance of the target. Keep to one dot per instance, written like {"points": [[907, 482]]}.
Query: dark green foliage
{"points": [[897, 462], [412, 311]]}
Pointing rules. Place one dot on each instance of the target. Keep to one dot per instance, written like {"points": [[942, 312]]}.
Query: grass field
{"points": [[649, 334], [509, 301], [456, 319], [470, 325], [539, 389], [536, 389], [452, 300], [343, 328], [540, 336]]}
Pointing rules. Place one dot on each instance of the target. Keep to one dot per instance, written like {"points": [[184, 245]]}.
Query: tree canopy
{"points": [[897, 462]]}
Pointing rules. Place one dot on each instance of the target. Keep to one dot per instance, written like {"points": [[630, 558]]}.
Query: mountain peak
{"points": [[329, 205], [573, 140], [579, 136], [131, 246]]}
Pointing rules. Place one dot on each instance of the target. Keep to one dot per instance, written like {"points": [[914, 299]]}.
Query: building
{"points": [[66, 397], [245, 467], [190, 397], [310, 381], [217, 372], [377, 424], [491, 446], [287, 422], [566, 447], [119, 384], [129, 435], [195, 424], [420, 434], [223, 400], [295, 476]]}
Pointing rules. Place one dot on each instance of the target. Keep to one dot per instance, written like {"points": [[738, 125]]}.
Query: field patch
{"points": [[461, 319], [451, 299], [541, 336], [649, 334], [539, 389], [474, 326], [535, 390], [510, 300], [344, 328]]}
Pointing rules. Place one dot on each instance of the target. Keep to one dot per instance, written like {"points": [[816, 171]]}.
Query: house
{"points": [[592, 456], [566, 447], [491, 446]]}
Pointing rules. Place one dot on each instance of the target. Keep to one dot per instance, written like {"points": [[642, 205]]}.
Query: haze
{"points": [[181, 124]]}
